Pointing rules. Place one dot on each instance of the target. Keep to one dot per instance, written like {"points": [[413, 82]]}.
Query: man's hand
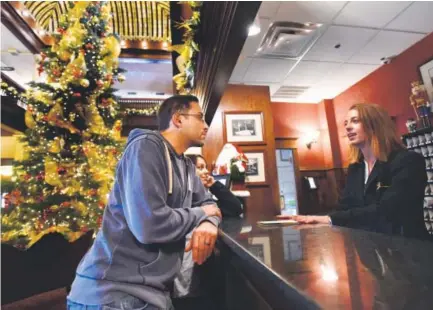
{"points": [[212, 210], [307, 219], [202, 242]]}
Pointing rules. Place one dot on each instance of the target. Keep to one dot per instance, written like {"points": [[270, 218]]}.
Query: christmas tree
{"points": [[72, 143]]}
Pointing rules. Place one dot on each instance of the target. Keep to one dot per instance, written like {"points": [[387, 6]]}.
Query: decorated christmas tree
{"points": [[72, 143]]}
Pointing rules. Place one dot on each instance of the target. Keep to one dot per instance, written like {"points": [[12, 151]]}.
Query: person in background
{"points": [[385, 182], [229, 205], [157, 200], [198, 287]]}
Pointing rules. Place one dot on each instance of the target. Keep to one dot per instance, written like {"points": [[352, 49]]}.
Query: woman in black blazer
{"points": [[385, 183]]}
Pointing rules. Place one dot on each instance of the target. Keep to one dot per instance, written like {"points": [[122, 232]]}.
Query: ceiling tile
{"points": [[385, 44], [310, 72], [240, 69], [351, 39], [268, 9], [374, 14], [417, 17], [268, 70], [252, 43], [309, 11], [348, 74]]}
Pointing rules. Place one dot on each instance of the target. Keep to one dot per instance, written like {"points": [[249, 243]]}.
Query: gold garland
{"points": [[147, 112], [186, 61]]}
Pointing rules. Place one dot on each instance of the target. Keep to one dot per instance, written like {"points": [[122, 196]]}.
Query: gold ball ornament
{"points": [[121, 78], [85, 83], [64, 55]]}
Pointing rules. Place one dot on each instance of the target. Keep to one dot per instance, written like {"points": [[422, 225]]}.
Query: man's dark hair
{"points": [[172, 105]]}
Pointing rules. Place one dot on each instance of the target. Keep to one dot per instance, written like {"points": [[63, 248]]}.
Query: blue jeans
{"points": [[126, 303]]}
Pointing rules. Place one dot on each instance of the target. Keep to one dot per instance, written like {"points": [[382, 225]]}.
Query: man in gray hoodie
{"points": [[156, 200]]}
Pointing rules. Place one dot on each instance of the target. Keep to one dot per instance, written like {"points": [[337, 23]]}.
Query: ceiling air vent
{"points": [[288, 39], [291, 92]]}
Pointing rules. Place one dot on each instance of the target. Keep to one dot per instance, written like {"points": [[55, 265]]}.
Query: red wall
{"points": [[293, 120], [388, 86]]}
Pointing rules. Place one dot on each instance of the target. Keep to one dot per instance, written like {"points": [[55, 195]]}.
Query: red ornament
{"points": [[89, 46], [27, 177], [92, 192], [99, 221], [100, 83], [40, 69], [61, 170], [40, 176], [101, 205], [84, 229], [65, 204], [76, 95]]}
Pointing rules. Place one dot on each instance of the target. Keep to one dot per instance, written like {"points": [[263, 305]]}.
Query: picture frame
{"points": [[426, 72], [256, 173], [244, 128]]}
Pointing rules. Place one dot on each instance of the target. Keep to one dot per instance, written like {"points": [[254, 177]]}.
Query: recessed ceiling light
{"points": [[144, 44], [122, 43], [41, 32], [164, 44], [25, 13]]}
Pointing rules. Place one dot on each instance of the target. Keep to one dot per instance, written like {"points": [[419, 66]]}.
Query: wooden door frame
{"points": [[291, 143]]}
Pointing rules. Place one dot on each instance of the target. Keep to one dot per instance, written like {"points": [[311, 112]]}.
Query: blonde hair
{"points": [[380, 131]]}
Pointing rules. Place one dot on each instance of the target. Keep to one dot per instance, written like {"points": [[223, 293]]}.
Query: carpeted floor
{"points": [[53, 300]]}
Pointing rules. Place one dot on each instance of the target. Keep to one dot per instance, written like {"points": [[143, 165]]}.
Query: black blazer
{"points": [[392, 200], [228, 203]]}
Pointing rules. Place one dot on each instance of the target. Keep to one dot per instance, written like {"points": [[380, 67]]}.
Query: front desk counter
{"points": [[322, 267]]}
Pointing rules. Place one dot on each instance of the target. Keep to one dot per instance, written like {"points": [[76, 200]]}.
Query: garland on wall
{"points": [[186, 62]]}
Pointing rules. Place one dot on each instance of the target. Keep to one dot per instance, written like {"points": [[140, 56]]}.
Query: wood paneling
{"points": [[330, 184], [264, 199]]}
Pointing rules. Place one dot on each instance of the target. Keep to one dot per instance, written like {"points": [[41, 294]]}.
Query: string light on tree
{"points": [[62, 181]]}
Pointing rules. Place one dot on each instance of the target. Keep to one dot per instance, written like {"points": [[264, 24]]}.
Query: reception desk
{"points": [[322, 267]]}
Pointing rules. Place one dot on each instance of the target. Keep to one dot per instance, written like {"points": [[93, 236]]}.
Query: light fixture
{"points": [[164, 44], [311, 137], [255, 27], [144, 44], [123, 43], [41, 32], [328, 274]]}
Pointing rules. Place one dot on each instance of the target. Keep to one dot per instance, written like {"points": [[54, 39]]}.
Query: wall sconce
{"points": [[311, 137]]}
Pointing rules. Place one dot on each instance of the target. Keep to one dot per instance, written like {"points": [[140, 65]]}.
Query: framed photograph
{"points": [[244, 128], [255, 173], [426, 71]]}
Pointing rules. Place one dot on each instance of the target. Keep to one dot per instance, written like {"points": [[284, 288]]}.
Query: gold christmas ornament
{"points": [[85, 83]]}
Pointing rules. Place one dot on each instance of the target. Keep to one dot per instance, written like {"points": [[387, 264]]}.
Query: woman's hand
{"points": [[307, 219], [207, 180]]}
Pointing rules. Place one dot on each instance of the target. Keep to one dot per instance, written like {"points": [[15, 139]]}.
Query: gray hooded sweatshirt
{"points": [[138, 250]]}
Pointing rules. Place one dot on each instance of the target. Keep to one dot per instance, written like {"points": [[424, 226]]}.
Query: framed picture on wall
{"points": [[426, 71], [255, 173], [244, 128]]}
